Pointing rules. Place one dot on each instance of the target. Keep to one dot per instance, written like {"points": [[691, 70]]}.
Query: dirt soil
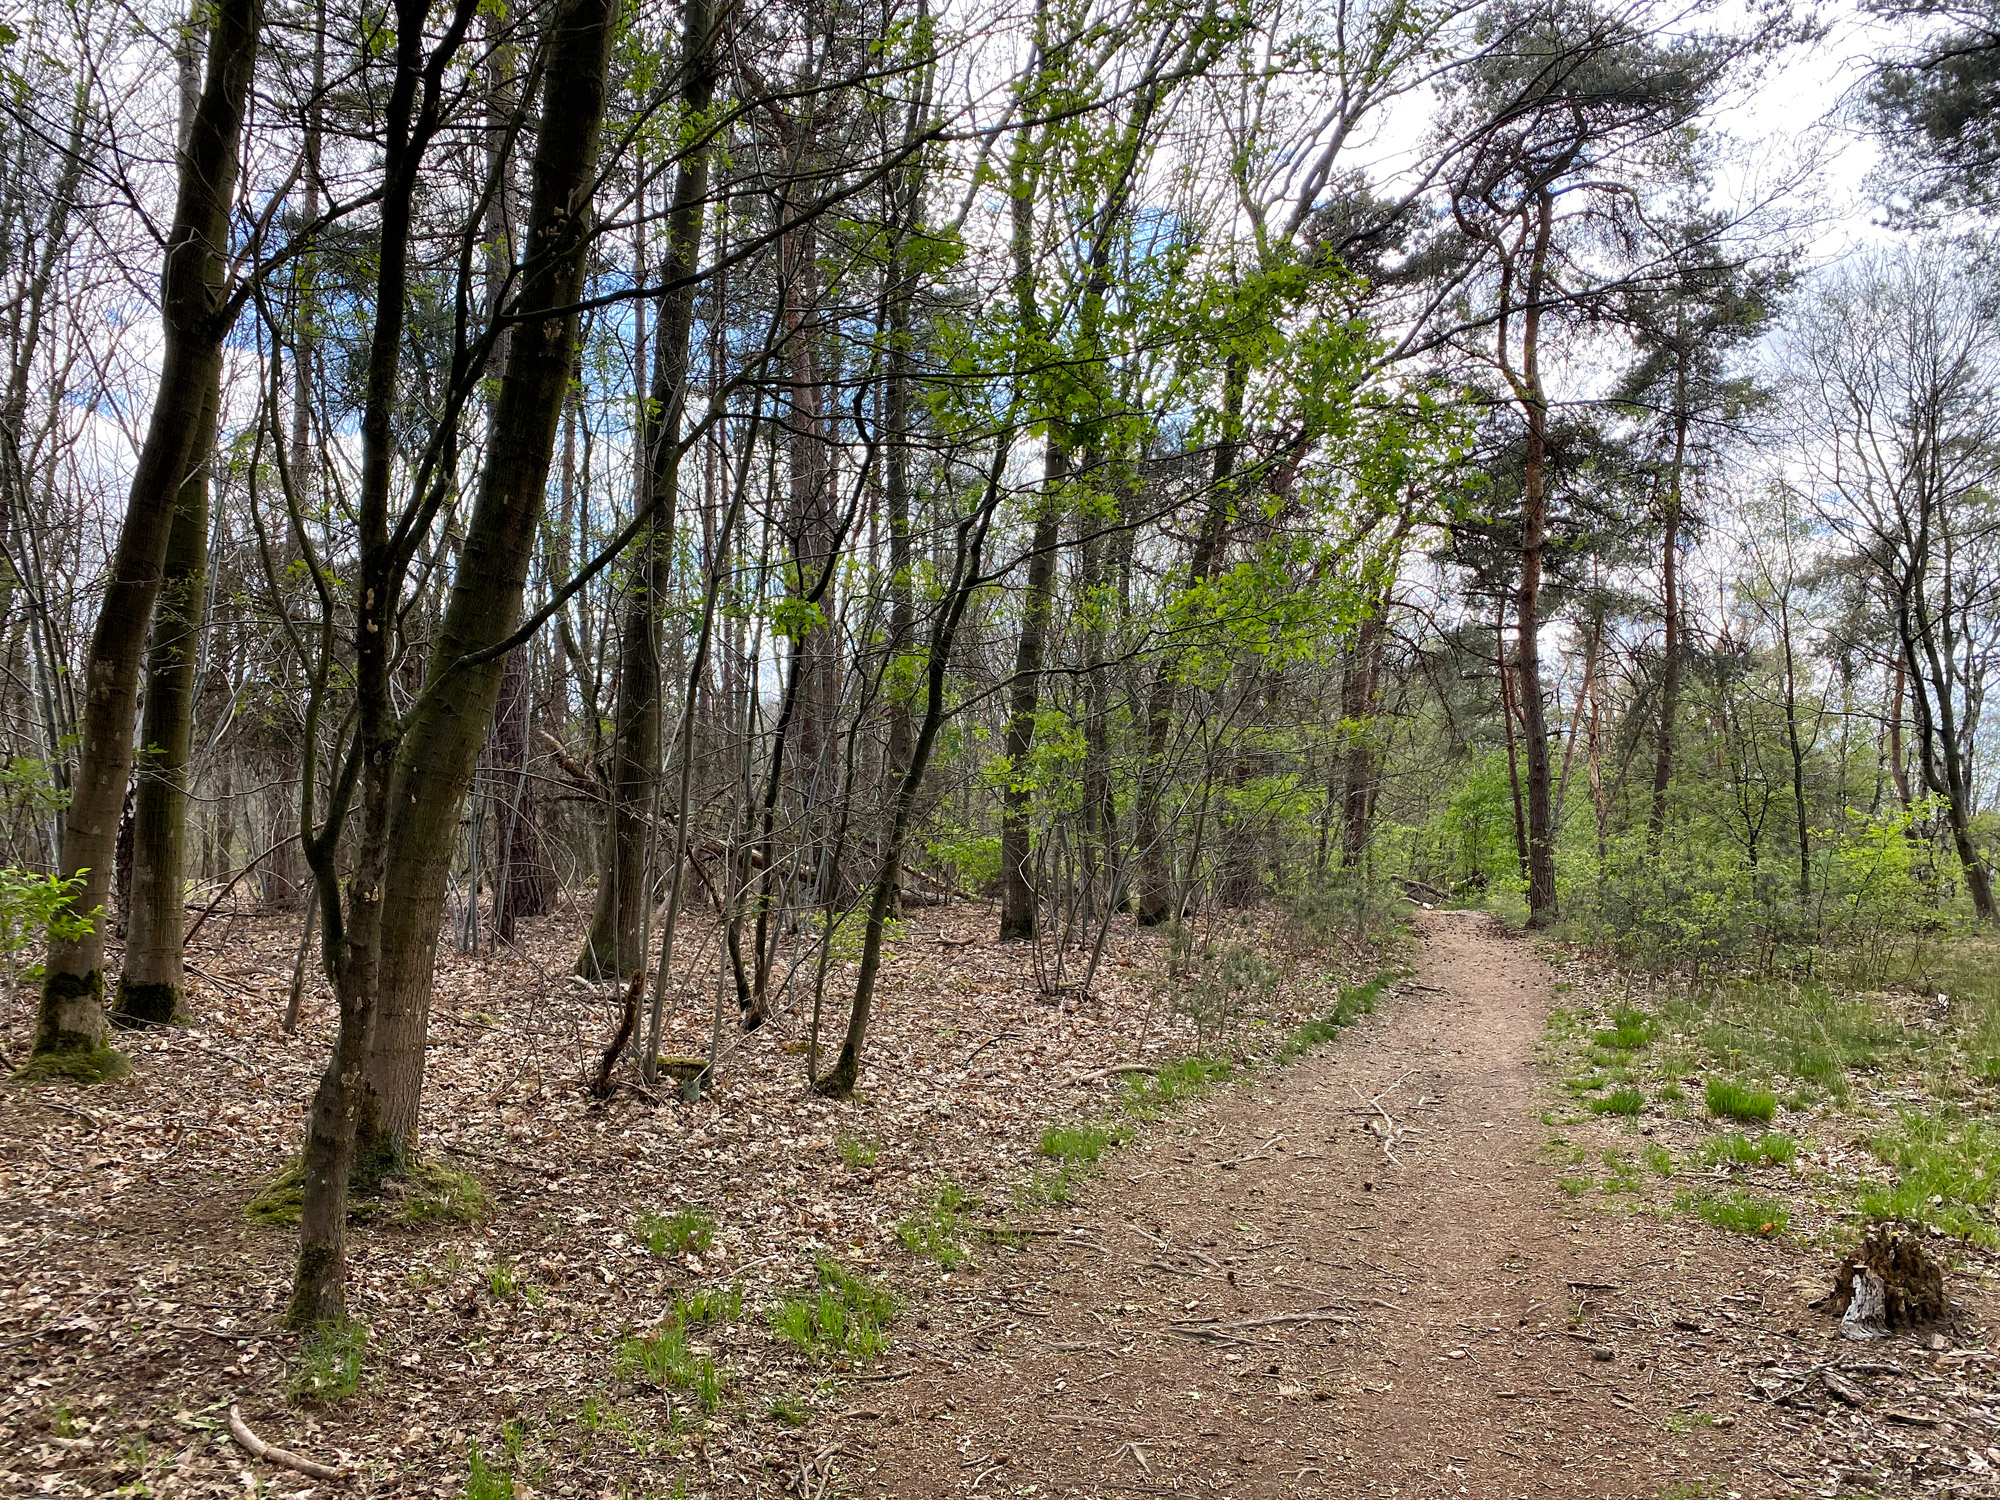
{"points": [[1359, 1277]]}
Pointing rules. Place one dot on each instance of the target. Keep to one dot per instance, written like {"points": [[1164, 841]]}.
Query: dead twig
{"points": [[284, 1458]]}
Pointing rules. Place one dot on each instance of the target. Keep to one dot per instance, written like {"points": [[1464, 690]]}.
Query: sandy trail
{"points": [[1270, 1298]]}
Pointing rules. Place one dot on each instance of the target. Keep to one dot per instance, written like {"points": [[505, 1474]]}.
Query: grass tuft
{"points": [[848, 1315], [1739, 1101], [1948, 1170], [1625, 1101], [1147, 1095], [675, 1234], [858, 1151], [939, 1231], [664, 1358], [328, 1368], [1739, 1212], [1771, 1149]]}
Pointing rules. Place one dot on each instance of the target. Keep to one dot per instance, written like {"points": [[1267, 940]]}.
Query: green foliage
{"points": [[328, 1366], [716, 1304], [687, 1229], [33, 909], [792, 1410], [1080, 1143], [857, 1151], [1355, 1001], [1737, 1101], [1625, 1101], [972, 860], [503, 1280], [665, 1359], [847, 1315], [418, 1191], [847, 934]]}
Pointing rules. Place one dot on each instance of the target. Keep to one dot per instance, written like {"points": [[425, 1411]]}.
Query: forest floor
{"points": [[1376, 1271]]}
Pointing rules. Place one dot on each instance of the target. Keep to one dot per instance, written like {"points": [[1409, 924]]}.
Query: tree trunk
{"points": [[1670, 666], [152, 985], [1528, 601], [194, 318], [441, 741], [1017, 893]]}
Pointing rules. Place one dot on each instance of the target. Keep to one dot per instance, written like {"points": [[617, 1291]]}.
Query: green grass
{"points": [[1625, 1101], [1081, 1143], [688, 1230], [847, 1315], [664, 1358], [792, 1410], [1947, 1171], [857, 1151], [1806, 1032], [1353, 1002], [1625, 1175], [1739, 1101], [328, 1367], [1739, 1212], [484, 1483], [939, 1231], [1630, 1031], [1660, 1159], [716, 1304], [503, 1281], [1771, 1149], [1148, 1095], [1576, 1187]]}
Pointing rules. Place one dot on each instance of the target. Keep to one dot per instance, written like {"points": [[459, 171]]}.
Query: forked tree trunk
{"points": [[152, 985], [194, 316], [441, 741]]}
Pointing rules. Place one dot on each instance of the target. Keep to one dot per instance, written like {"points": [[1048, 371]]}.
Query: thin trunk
{"points": [[1018, 901], [1670, 666]]}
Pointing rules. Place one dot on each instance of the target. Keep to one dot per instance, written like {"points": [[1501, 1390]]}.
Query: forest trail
{"points": [[1268, 1297]]}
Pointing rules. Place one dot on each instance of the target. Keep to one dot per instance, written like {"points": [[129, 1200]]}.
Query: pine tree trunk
{"points": [[194, 318]]}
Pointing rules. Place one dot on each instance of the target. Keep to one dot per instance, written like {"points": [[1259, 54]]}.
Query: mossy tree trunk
{"points": [[441, 740], [152, 984], [195, 313]]}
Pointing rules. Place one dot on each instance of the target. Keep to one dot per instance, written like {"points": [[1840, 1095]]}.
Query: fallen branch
{"points": [[284, 1458], [1117, 1070]]}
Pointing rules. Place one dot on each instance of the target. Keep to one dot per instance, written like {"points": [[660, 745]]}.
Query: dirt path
{"points": [[1261, 1301]]}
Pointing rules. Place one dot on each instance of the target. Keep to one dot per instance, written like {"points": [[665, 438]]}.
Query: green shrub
{"points": [[1738, 1101]]}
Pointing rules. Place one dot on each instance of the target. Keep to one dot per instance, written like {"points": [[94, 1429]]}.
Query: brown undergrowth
{"points": [[657, 1293]]}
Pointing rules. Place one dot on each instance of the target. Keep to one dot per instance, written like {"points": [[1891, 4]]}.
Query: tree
{"points": [[197, 307]]}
